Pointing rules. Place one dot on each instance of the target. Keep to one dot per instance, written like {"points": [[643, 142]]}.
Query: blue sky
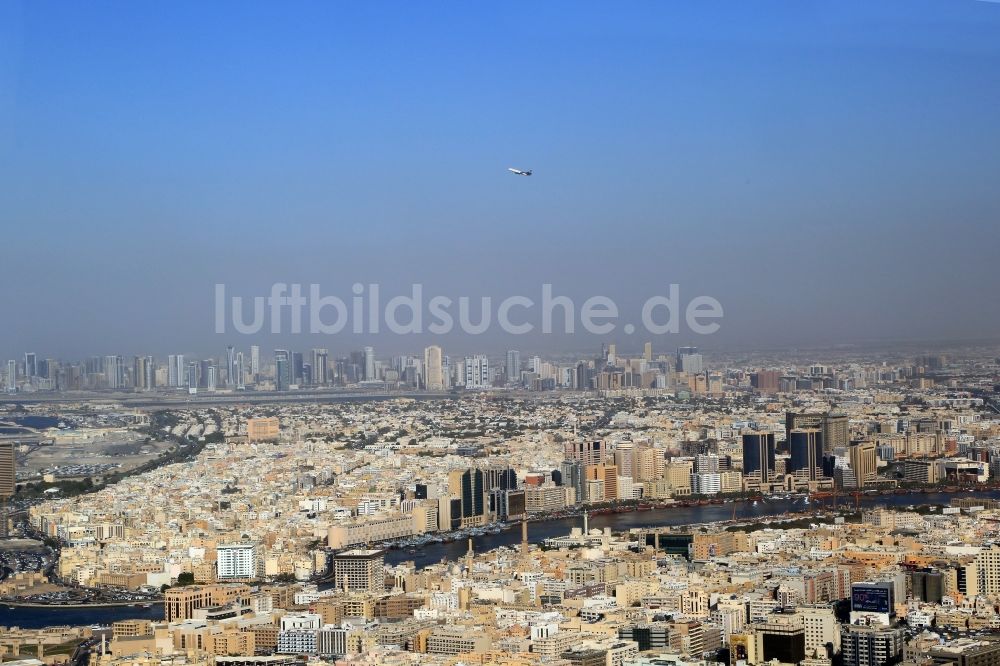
{"points": [[827, 170]]}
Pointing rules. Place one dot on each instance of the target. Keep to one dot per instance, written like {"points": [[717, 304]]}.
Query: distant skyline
{"points": [[826, 170], [574, 350]]}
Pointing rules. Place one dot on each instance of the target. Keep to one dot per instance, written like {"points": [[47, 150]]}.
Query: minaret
{"points": [[524, 538], [468, 555], [585, 528]]}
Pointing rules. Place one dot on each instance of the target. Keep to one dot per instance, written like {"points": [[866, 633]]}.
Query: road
{"points": [[183, 400]]}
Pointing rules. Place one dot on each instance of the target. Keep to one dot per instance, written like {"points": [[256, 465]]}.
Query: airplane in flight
{"points": [[518, 172]]}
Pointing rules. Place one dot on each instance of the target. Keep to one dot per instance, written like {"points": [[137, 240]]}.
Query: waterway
{"points": [[537, 532], [26, 422], [620, 522], [35, 617]]}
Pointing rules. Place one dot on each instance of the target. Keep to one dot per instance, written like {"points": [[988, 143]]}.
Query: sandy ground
{"points": [[103, 452]]}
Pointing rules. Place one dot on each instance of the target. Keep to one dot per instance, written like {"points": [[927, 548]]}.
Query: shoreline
{"points": [[844, 501]]}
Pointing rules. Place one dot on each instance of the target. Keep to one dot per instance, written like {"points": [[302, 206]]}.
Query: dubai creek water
{"points": [[537, 531]]}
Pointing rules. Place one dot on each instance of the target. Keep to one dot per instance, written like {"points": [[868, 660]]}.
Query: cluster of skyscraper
{"points": [[433, 371], [813, 444]]}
